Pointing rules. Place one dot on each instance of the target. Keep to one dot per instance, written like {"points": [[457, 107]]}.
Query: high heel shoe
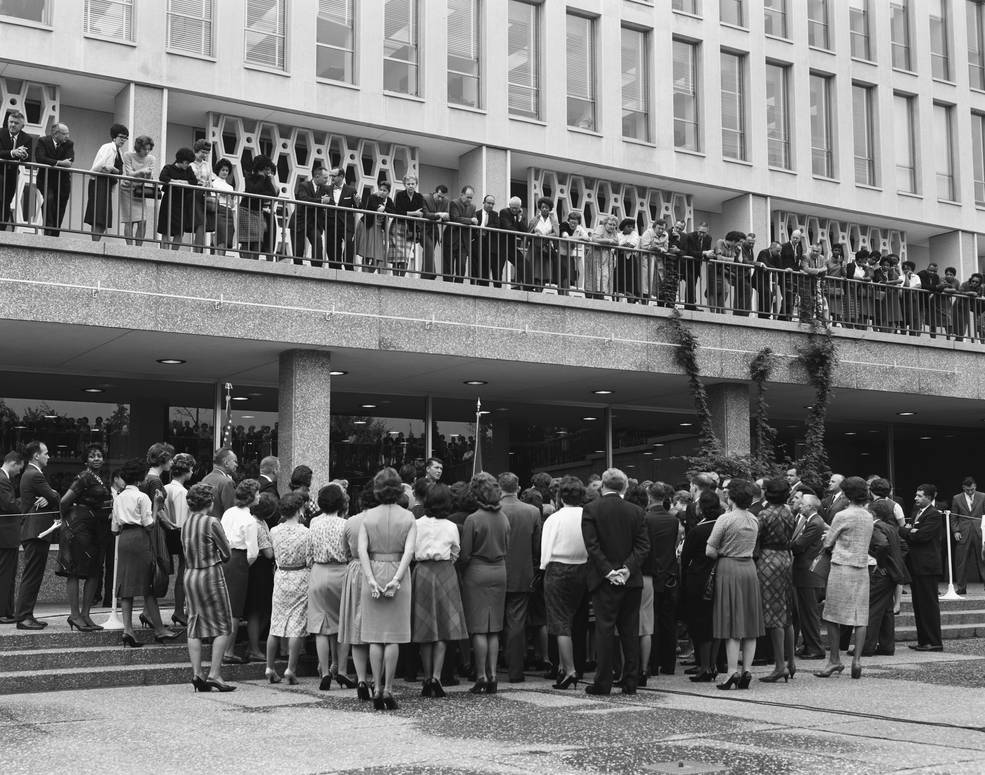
{"points": [[733, 680], [129, 640], [362, 691], [215, 683], [704, 677], [478, 687], [271, 675], [165, 637], [78, 624], [856, 671], [775, 676], [199, 684], [291, 678], [325, 684], [492, 686], [180, 621], [644, 677], [389, 702], [426, 690], [146, 623], [437, 690], [745, 680], [570, 680], [378, 703], [791, 670], [829, 671], [345, 682], [92, 625]]}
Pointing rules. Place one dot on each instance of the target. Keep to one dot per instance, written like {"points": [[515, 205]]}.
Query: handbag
{"points": [[159, 584], [146, 191], [709, 594], [821, 566]]}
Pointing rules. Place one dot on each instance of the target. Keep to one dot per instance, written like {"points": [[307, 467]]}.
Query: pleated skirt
{"points": [[325, 585], [847, 598], [565, 587], [350, 618], [289, 604], [135, 567], [438, 610], [209, 612], [484, 596], [385, 619], [237, 572], [738, 609]]}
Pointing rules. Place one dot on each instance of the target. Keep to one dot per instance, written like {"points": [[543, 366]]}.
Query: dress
{"points": [[203, 542], [847, 597], [371, 232], [485, 538], [350, 613], [737, 612], [696, 611], [289, 605], [438, 612], [331, 561], [176, 208], [79, 551], [386, 619], [99, 203], [775, 564], [260, 584], [136, 209], [564, 560]]}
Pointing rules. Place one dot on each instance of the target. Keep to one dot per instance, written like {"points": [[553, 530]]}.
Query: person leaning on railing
{"points": [[55, 151], [255, 211], [225, 215], [572, 252], [107, 165], [539, 266], [174, 215], [372, 232], [137, 198], [626, 278], [601, 258], [205, 204], [407, 236], [16, 148], [808, 284]]}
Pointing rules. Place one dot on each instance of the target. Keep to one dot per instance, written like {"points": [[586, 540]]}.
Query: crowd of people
{"points": [[193, 201], [474, 577]]}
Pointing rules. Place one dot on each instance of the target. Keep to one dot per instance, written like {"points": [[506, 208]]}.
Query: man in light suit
{"points": [[10, 533], [923, 560], [340, 222], [41, 500], [617, 542], [967, 509], [58, 152], [808, 586], [16, 148], [220, 479]]}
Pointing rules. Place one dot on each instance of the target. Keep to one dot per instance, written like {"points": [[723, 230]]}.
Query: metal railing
{"points": [[440, 247]]}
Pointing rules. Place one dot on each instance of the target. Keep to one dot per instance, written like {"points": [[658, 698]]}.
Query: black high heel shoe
{"points": [[733, 680], [856, 671], [378, 703], [92, 625], [791, 670], [325, 684], [570, 680], [180, 621], [437, 690], [215, 683], [129, 640], [362, 691], [199, 684], [79, 624], [389, 702], [426, 690], [745, 680], [775, 676], [146, 623], [166, 637], [478, 687], [345, 682], [491, 686]]}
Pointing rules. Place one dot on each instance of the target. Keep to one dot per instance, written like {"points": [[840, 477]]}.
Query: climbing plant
{"points": [[818, 357], [763, 434]]}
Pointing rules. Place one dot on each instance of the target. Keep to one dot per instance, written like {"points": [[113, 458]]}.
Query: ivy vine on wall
{"points": [[819, 357]]}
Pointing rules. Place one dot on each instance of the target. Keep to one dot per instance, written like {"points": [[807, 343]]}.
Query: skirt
{"points": [[565, 587], [289, 604], [438, 611], [738, 610], [237, 573], [209, 612], [484, 596], [775, 571], [350, 619], [99, 206], [847, 598], [80, 553], [325, 597], [646, 607], [135, 566], [134, 209], [696, 611], [225, 226], [260, 588], [385, 619]]}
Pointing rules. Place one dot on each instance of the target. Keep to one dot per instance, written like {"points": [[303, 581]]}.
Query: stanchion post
{"points": [[113, 621], [951, 594]]}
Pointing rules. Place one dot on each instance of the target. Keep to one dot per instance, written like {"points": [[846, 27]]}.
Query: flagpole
{"points": [[477, 455]]}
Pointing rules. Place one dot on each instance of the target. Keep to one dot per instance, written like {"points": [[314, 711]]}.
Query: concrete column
{"points": [[486, 169], [143, 110], [746, 213], [730, 416], [304, 413], [958, 249]]}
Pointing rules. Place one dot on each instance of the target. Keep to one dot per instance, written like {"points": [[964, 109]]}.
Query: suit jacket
{"points": [[523, 550], [432, 212], [7, 145], [225, 491], [694, 244], [33, 484], [831, 505], [889, 558], [790, 257], [805, 546], [463, 214], [45, 152], [311, 217], [929, 282], [962, 517], [10, 513], [615, 536], [488, 240], [661, 561], [268, 485], [341, 219], [924, 539]]}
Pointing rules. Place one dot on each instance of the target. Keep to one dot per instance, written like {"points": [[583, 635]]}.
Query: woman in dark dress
{"points": [[260, 584], [159, 458], [256, 213], [176, 208], [774, 567], [696, 567], [84, 511], [107, 165], [371, 233]]}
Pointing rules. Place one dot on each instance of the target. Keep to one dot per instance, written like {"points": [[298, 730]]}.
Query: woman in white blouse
{"points": [[542, 259], [107, 165], [204, 216], [225, 218], [240, 528], [564, 560]]}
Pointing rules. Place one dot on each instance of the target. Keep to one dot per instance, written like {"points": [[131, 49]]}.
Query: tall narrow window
{"points": [[940, 40], [108, 18], [775, 17], [899, 28], [865, 152], [822, 143], [978, 154], [523, 60], [335, 42], [580, 39], [944, 151], [777, 118], [635, 85], [817, 24], [266, 33], [858, 27], [976, 43], [685, 96], [733, 107], [463, 53], [687, 6], [906, 163], [733, 12], [190, 26], [401, 47]]}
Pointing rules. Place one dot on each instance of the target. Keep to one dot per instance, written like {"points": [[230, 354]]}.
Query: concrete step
{"points": [[965, 604], [948, 631], [41, 659], [968, 616], [12, 639]]}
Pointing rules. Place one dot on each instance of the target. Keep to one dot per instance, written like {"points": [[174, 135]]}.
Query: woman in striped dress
{"points": [[350, 620], [289, 605], [204, 544]]}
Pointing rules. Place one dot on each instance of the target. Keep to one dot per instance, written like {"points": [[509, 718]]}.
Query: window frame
{"points": [[823, 24], [827, 128], [909, 143], [951, 174], [477, 8], [978, 156], [414, 43], [283, 12], [865, 12], [869, 126], [354, 8], [533, 62], [695, 5], [591, 100], [945, 56], [206, 19], [89, 33], [895, 45], [693, 96], [642, 65], [786, 141], [978, 25], [741, 11], [773, 12], [738, 97]]}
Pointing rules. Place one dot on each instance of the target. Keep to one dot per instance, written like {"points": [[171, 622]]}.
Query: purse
{"points": [[146, 191], [709, 594], [159, 584]]}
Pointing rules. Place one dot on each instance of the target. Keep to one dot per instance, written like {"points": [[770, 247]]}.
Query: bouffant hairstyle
{"points": [[709, 505], [333, 500], [291, 504], [880, 487], [388, 486], [777, 491], [741, 492], [462, 500], [142, 142], [367, 499], [186, 155], [202, 145], [90, 448], [159, 454], [636, 495], [223, 164], [261, 164], [438, 502], [421, 487], [266, 507], [118, 129], [408, 473], [545, 201], [735, 236], [485, 490], [133, 471], [855, 489], [182, 464], [200, 497], [300, 477], [246, 491], [571, 491]]}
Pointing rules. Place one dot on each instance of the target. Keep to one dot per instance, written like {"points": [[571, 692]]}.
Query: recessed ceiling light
{"points": [[926, 438], [456, 436], [648, 453], [906, 414], [254, 395], [600, 452], [630, 466], [358, 422], [20, 427], [686, 424], [92, 390], [589, 419], [337, 373], [864, 454], [502, 409], [246, 416], [658, 444], [874, 430], [241, 398], [793, 426], [170, 361], [369, 406], [393, 433], [808, 406], [603, 392], [483, 412], [475, 382], [849, 433]]}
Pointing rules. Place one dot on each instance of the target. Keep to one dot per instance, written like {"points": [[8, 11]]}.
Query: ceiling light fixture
{"points": [[603, 392], [337, 373], [254, 395], [589, 419], [170, 361], [92, 390], [51, 417], [246, 416], [906, 414], [358, 422], [483, 412], [926, 438], [686, 424], [658, 444], [241, 398], [369, 406], [475, 382], [849, 433]]}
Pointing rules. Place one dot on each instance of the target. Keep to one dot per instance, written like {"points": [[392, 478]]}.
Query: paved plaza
{"points": [[911, 713]]}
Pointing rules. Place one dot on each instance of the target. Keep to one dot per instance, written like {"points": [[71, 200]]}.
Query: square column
{"points": [[730, 416], [143, 110], [304, 413]]}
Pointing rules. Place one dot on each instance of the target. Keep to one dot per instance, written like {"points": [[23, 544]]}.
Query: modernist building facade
{"points": [[861, 122]]}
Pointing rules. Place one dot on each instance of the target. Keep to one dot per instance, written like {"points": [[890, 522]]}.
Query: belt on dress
{"points": [[292, 567], [129, 526], [330, 562], [385, 557], [243, 551]]}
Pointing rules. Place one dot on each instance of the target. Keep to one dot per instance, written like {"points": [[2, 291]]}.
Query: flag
{"points": [[477, 457], [227, 429]]}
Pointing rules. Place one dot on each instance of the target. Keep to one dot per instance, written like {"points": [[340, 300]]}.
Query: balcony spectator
{"points": [[693, 246], [406, 236], [572, 251], [808, 284], [174, 215], [485, 245], [204, 208], [436, 210], [950, 287], [107, 165], [834, 285], [626, 278], [16, 148], [720, 273], [225, 216], [655, 241], [56, 151], [371, 233], [138, 198], [340, 223], [889, 311], [763, 278], [742, 275], [255, 209], [461, 214], [540, 267], [599, 268], [931, 301], [911, 298], [512, 218]]}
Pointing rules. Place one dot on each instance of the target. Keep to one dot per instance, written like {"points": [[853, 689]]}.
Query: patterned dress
{"points": [[331, 558], [204, 544], [438, 612], [79, 552], [289, 605], [775, 564]]}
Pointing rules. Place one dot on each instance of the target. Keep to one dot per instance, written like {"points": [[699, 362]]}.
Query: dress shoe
{"points": [[627, 690], [597, 690], [916, 647], [8, 619], [31, 624], [519, 680], [806, 655], [962, 591]]}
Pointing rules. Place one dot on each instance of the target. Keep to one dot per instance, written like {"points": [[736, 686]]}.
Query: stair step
{"points": [[38, 659], [69, 639], [948, 631]]}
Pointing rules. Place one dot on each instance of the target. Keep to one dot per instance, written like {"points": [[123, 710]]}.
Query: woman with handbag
{"points": [[698, 572], [138, 199]]}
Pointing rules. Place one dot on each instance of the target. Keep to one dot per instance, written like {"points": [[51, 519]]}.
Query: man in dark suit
{"points": [[792, 254], [461, 214], [522, 553], [16, 148], [808, 586], [967, 509], [660, 570], [485, 245], [931, 302], [10, 533], [694, 244], [924, 563], [513, 219], [764, 275], [310, 223], [835, 500], [220, 479], [57, 152], [41, 503], [436, 207], [616, 539], [340, 222]]}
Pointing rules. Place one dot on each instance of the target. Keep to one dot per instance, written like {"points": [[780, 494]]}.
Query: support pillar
{"points": [[746, 213], [304, 413], [144, 111], [730, 416], [487, 170], [958, 249]]}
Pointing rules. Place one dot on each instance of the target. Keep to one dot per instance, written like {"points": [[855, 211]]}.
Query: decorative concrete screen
{"points": [[39, 102], [827, 232], [593, 198]]}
